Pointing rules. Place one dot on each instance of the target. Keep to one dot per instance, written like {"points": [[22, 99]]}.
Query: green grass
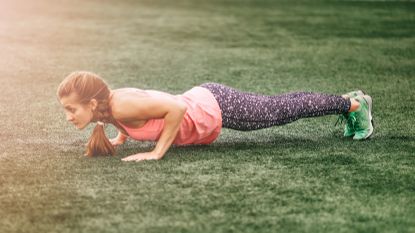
{"points": [[301, 177]]}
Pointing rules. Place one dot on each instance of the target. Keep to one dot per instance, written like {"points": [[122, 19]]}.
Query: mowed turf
{"points": [[301, 177]]}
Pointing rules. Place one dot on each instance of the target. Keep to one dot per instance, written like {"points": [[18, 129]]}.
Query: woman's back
{"points": [[201, 124]]}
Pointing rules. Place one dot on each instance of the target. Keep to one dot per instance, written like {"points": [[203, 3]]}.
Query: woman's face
{"points": [[79, 114]]}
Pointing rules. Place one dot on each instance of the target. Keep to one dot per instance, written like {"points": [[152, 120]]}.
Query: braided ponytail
{"points": [[98, 143], [90, 86]]}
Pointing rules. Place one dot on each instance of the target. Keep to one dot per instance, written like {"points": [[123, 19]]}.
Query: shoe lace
{"points": [[350, 119], [341, 118]]}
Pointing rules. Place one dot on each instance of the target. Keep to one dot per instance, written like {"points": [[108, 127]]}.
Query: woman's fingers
{"points": [[139, 157], [131, 158]]}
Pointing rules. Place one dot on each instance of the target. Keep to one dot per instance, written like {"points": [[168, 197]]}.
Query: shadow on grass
{"points": [[376, 166], [279, 144]]}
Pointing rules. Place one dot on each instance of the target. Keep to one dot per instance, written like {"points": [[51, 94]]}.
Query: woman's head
{"points": [[85, 98]]}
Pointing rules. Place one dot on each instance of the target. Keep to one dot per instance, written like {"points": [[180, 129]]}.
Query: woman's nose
{"points": [[69, 117]]}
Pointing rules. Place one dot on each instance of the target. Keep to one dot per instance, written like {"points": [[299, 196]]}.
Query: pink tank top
{"points": [[201, 124]]}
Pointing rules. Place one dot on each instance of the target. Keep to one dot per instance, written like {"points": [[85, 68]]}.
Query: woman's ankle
{"points": [[354, 105]]}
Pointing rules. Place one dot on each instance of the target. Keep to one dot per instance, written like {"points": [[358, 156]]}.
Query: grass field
{"points": [[301, 177]]}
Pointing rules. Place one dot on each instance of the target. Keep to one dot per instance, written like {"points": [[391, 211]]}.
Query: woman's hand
{"points": [[119, 140], [142, 156], [116, 141]]}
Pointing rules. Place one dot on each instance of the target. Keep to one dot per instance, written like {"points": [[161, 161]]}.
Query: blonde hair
{"points": [[88, 86]]}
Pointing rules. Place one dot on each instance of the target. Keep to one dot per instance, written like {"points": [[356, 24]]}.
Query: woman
{"points": [[196, 116]]}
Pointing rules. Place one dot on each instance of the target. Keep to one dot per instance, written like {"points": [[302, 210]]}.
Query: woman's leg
{"points": [[250, 111]]}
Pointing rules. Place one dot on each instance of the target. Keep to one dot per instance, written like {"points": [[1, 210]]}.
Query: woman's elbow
{"points": [[177, 114], [182, 107]]}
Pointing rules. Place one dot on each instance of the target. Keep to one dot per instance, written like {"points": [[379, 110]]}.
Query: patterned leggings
{"points": [[249, 111]]}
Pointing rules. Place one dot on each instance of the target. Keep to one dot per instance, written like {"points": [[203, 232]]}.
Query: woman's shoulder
{"points": [[127, 91], [124, 94], [123, 98]]}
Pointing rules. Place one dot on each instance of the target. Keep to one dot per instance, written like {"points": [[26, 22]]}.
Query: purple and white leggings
{"points": [[250, 111]]}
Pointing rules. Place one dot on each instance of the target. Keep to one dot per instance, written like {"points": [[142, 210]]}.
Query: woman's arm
{"points": [[171, 110], [172, 121]]}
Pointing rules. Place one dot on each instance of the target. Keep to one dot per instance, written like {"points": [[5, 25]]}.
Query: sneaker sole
{"points": [[363, 93], [360, 92], [368, 100]]}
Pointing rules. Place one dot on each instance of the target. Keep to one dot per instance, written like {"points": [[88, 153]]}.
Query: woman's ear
{"points": [[93, 103]]}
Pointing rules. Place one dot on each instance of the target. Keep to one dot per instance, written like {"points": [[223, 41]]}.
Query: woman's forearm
{"points": [[172, 122]]}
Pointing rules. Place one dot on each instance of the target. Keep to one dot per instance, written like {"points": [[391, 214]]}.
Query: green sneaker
{"points": [[349, 117], [363, 125]]}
